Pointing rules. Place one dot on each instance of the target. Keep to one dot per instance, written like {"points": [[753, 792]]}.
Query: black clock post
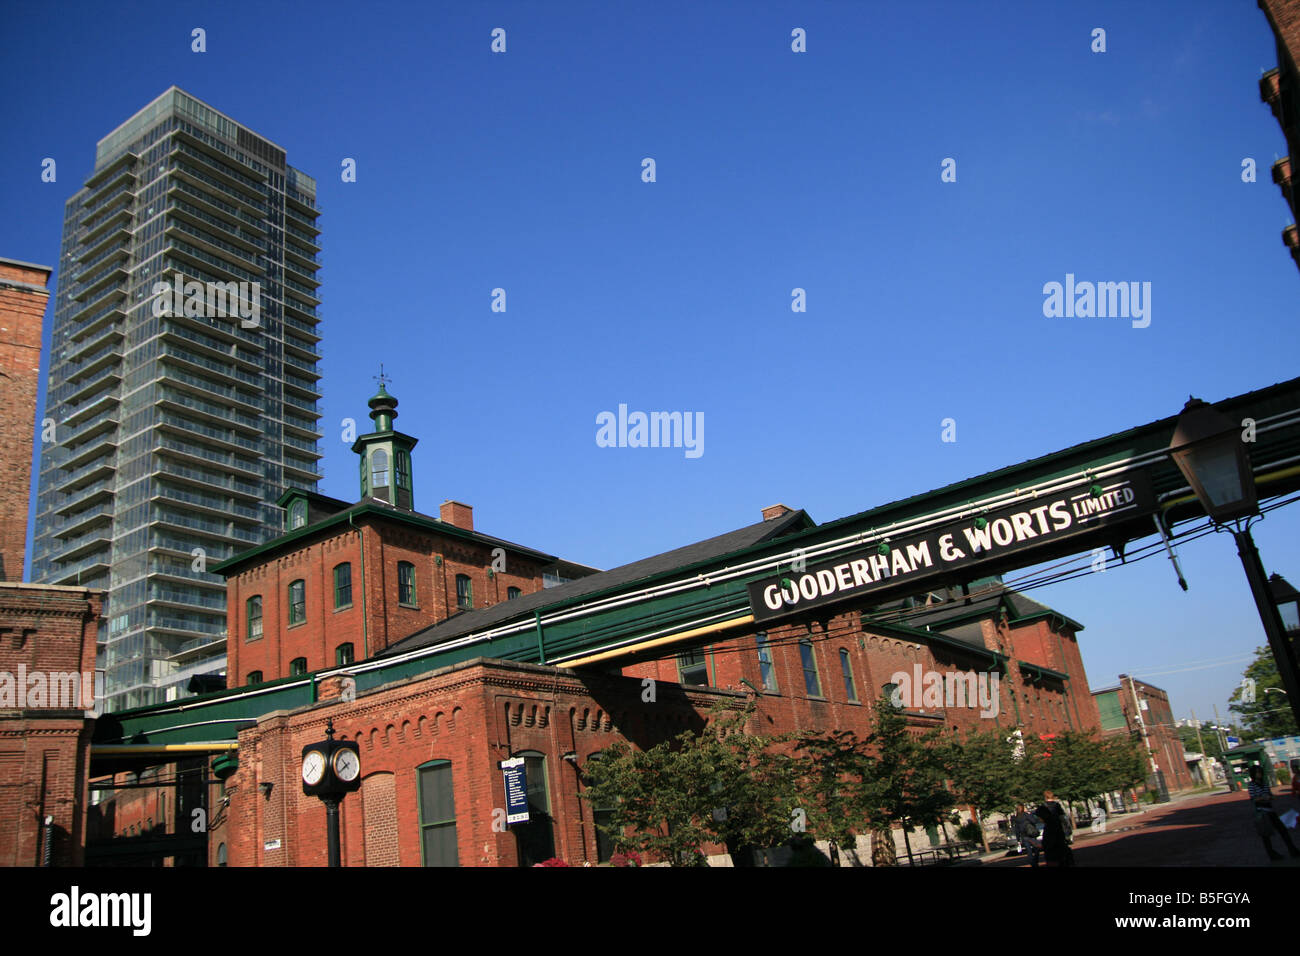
{"points": [[330, 770]]}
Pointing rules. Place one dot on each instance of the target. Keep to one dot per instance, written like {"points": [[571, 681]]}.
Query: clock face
{"points": [[313, 767], [346, 765]]}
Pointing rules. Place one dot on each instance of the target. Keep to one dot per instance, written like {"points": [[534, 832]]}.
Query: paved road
{"points": [[1215, 829]]}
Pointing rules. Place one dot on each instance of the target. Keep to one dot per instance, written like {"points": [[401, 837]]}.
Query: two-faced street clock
{"points": [[330, 769]]}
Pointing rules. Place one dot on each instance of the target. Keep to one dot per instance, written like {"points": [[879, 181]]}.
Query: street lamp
{"points": [[1287, 600], [1208, 450]]}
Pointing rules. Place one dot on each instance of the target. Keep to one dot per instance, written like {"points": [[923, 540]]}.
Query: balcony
{"points": [[113, 275], [105, 443], [73, 574], [214, 206], [199, 455], [82, 521], [1270, 91], [99, 491], [118, 221], [301, 386], [76, 392], [90, 344], [84, 475], [96, 313], [1282, 176], [78, 547], [253, 209], [78, 414], [221, 250], [110, 173]]}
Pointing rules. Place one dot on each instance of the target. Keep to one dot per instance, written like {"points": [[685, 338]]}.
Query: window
{"points": [[254, 677], [464, 592], [512, 593], [811, 682], [891, 694], [297, 667], [766, 669], [404, 470], [405, 582], [847, 668], [343, 585], [343, 654], [253, 618], [221, 854], [379, 468], [536, 838], [297, 602], [437, 814], [692, 668], [297, 515], [601, 813]]}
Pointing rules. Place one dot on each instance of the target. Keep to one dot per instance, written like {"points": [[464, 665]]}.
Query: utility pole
{"points": [[1223, 744], [1201, 746]]}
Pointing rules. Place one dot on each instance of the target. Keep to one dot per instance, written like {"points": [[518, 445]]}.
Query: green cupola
{"points": [[386, 456]]}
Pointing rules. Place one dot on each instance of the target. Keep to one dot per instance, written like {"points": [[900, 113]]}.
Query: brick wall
{"points": [[23, 296], [45, 751], [437, 560]]}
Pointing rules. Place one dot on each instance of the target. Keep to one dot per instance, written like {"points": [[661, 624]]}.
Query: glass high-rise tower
{"points": [[182, 384]]}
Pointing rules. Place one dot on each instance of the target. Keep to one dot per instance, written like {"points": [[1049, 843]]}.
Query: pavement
{"points": [[1193, 829]]}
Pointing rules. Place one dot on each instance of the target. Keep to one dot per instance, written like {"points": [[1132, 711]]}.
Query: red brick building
{"points": [[1142, 711], [23, 296], [432, 791], [47, 657]]}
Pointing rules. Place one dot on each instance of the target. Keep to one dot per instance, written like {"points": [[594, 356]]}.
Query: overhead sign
{"points": [[962, 546], [516, 790]]}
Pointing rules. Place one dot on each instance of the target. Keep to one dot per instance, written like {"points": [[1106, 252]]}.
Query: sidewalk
{"points": [[1192, 829]]}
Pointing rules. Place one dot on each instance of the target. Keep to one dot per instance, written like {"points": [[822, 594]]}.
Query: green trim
{"points": [[1041, 672]]}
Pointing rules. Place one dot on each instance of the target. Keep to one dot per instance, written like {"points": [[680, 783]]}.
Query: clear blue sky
{"points": [[775, 170]]}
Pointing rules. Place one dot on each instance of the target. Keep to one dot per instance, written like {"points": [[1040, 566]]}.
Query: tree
{"points": [[906, 782], [1268, 715], [719, 786], [830, 771], [985, 774]]}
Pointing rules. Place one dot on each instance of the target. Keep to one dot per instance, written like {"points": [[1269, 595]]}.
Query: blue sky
{"points": [[775, 171]]}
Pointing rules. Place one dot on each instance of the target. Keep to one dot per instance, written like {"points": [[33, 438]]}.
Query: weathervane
{"points": [[381, 378]]}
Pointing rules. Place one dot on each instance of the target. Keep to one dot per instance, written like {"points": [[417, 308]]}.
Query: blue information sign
{"points": [[516, 790]]}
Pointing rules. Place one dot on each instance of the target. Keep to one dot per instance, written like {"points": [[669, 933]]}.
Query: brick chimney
{"points": [[457, 514], [776, 511]]}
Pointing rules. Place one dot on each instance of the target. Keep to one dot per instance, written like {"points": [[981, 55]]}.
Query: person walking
{"points": [[1056, 851], [1266, 818], [1025, 827]]}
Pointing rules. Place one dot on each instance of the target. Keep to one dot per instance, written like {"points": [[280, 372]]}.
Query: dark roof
{"points": [[378, 508], [954, 616], [620, 577]]}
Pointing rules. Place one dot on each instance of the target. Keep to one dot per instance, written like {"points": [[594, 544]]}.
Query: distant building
{"points": [[1142, 710], [182, 383]]}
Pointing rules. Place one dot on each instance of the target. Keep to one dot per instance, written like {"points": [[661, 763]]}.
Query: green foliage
{"points": [[1269, 715], [907, 783], [720, 786], [1080, 766]]}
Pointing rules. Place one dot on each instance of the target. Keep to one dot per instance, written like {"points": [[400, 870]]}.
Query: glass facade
{"points": [[179, 418]]}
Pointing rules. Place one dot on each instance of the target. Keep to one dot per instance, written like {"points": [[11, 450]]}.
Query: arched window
{"points": [[512, 593], [464, 592], [847, 668], [342, 585], [253, 618], [254, 677], [297, 602], [406, 583], [811, 680], [343, 654], [766, 669], [297, 515], [221, 854], [298, 666], [379, 468]]}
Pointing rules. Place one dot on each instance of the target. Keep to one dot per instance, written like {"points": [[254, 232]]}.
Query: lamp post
{"points": [[1208, 450]]}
